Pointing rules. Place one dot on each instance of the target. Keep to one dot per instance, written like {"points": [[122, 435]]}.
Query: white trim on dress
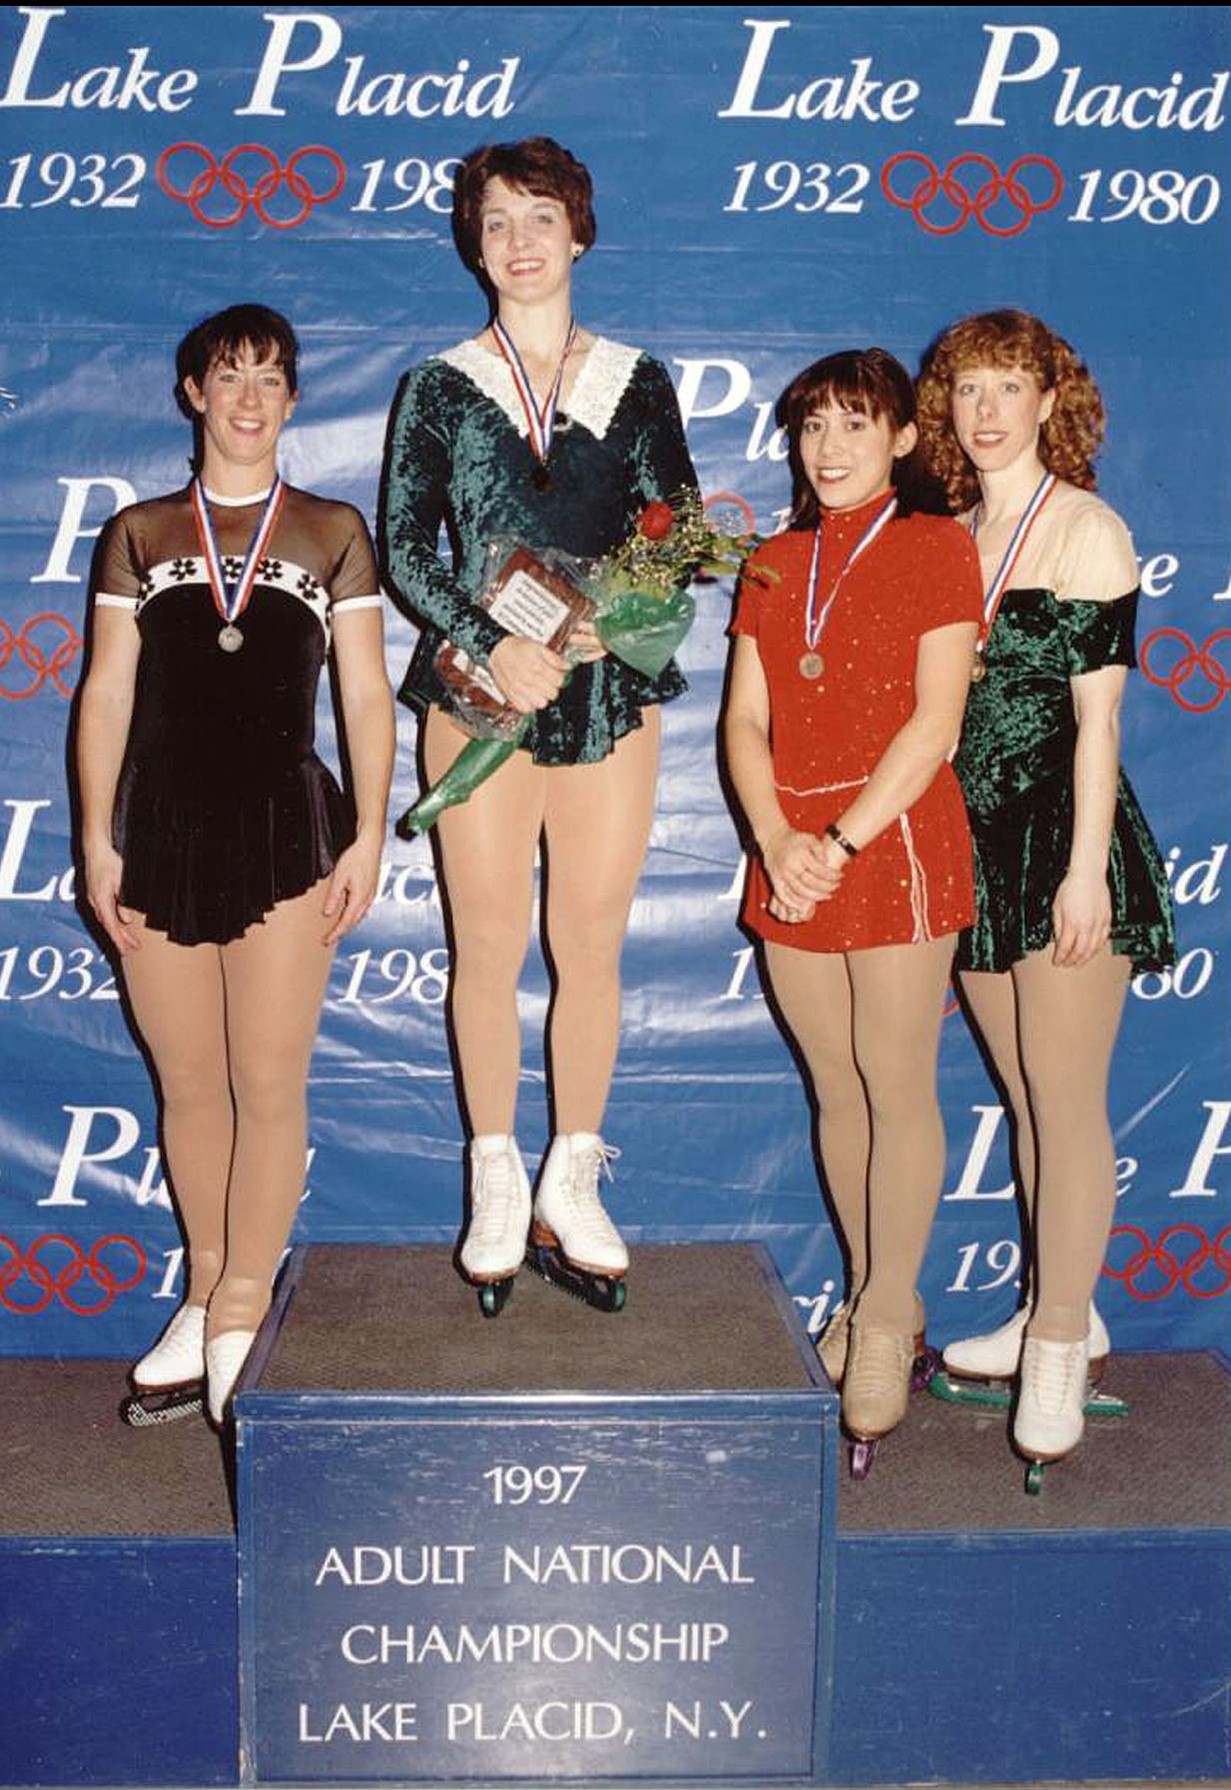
{"points": [[601, 382]]}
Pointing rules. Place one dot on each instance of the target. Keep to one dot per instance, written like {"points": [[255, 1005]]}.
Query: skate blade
{"points": [[997, 1395], [955, 1389], [162, 1404], [594, 1287]]}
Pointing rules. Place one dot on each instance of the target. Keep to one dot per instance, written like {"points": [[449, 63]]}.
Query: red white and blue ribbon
{"points": [[1012, 553], [230, 600], [814, 624], [540, 418]]}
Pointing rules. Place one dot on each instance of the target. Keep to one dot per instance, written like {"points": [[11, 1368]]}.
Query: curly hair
{"points": [[1068, 440], [868, 381], [537, 165]]}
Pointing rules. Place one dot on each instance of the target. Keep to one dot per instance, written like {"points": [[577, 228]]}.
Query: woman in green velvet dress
{"points": [[474, 443], [1069, 885]]}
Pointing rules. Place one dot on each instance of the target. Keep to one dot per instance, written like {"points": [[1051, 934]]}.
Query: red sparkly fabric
{"points": [[914, 881]]}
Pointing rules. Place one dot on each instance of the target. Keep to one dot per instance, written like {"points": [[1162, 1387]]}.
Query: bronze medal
{"points": [[540, 478], [230, 639], [811, 666]]}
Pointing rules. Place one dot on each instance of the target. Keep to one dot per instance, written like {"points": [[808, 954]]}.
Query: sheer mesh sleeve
{"points": [[1096, 560], [355, 582], [117, 575]]}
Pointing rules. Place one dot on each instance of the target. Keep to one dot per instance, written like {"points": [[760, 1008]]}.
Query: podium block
{"points": [[557, 1544], [117, 1586], [989, 1637]]}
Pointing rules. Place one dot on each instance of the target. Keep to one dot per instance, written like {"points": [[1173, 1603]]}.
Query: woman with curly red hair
{"points": [[1071, 895]]}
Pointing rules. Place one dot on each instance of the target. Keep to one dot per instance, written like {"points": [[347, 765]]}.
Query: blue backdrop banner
{"points": [[768, 189]]}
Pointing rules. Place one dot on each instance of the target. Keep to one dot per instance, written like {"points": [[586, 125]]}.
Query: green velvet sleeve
{"points": [[415, 493], [1098, 634], [662, 464]]}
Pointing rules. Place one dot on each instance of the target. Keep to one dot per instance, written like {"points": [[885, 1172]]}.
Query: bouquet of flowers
{"points": [[636, 596]]}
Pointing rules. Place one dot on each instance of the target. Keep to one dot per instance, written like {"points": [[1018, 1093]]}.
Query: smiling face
{"points": [[848, 456], [525, 242], [243, 402], [997, 415]]}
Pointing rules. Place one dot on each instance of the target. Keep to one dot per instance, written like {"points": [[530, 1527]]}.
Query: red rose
{"points": [[656, 521]]}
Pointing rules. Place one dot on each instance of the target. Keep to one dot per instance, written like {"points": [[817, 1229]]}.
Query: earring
{"points": [[576, 253]]}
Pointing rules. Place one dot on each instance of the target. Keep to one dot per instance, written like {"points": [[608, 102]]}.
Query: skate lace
{"points": [[877, 1361], [585, 1169], [494, 1197], [1053, 1372]]}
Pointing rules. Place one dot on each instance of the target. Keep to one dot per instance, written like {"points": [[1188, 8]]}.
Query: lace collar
{"points": [[600, 384]]}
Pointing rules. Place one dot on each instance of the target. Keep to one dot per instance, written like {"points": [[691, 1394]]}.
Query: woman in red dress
{"points": [[850, 671]]}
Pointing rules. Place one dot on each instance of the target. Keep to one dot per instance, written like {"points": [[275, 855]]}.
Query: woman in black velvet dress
{"points": [[221, 858]]}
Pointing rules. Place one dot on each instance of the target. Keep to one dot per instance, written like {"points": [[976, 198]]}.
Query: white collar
{"points": [[236, 503], [601, 382]]}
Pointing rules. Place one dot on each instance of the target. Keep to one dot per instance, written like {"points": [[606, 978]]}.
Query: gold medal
{"points": [[811, 666], [978, 670], [230, 639]]}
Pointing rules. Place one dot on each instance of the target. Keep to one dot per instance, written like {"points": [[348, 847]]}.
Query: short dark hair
{"points": [[223, 336], [866, 380], [537, 165]]}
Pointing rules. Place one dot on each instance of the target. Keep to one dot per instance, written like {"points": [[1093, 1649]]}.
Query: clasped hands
{"points": [[803, 870], [531, 675]]}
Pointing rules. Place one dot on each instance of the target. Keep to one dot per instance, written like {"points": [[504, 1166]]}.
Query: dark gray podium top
{"points": [[700, 1317]]}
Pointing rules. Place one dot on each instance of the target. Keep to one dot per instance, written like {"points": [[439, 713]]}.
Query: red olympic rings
{"points": [[996, 186], [40, 665], [731, 501], [222, 173], [1172, 1268], [50, 1286], [1192, 658]]}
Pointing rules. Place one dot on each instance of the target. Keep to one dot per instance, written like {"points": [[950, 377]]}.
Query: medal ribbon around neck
{"points": [[814, 625], [230, 600], [1012, 553], [540, 419]]}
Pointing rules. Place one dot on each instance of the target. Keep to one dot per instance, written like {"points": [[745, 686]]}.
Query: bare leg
{"points": [[814, 992], [275, 982], [1068, 1020], [597, 819], [898, 997], [488, 846], [178, 1001]]}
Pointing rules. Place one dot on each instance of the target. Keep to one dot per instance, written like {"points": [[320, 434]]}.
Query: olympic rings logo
{"points": [[979, 204], [731, 513], [51, 1283], [41, 665], [1155, 1268], [1192, 658], [223, 174]]}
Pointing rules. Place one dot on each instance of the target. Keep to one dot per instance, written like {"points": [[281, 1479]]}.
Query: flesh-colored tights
{"points": [[231, 1029], [596, 821], [868, 1025], [1051, 1033]]}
